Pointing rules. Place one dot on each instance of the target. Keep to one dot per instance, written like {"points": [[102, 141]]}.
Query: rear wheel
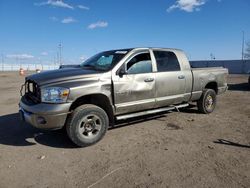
{"points": [[87, 125], [207, 102]]}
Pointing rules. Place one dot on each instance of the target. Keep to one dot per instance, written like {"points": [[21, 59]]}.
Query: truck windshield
{"points": [[104, 61]]}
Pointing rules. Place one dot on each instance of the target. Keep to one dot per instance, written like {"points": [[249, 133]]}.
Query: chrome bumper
{"points": [[44, 116]]}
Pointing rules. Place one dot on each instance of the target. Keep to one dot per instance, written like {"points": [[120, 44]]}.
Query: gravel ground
{"points": [[176, 149]]}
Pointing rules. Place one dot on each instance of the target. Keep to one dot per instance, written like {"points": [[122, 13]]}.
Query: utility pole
{"points": [[57, 58], [212, 56], [54, 60], [243, 43], [60, 53]]}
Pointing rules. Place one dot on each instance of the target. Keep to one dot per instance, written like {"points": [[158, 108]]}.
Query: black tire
{"points": [[207, 102], [87, 125]]}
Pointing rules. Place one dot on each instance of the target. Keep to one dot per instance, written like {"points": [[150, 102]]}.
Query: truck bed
{"points": [[201, 76]]}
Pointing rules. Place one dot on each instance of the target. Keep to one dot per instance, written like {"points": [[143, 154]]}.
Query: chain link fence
{"points": [[27, 67], [234, 66]]}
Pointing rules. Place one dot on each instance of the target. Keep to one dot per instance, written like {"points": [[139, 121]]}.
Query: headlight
{"points": [[54, 94]]}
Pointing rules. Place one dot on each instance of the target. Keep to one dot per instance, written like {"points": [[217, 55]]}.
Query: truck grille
{"points": [[31, 92]]}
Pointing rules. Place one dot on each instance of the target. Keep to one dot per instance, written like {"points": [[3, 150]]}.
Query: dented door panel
{"points": [[134, 92]]}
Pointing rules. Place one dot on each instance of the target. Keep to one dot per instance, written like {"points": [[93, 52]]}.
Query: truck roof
{"points": [[146, 48]]}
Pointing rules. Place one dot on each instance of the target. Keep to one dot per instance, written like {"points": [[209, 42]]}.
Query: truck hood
{"points": [[59, 75]]}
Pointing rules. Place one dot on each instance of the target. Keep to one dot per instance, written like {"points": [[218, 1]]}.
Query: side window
{"points": [[140, 64], [166, 61]]}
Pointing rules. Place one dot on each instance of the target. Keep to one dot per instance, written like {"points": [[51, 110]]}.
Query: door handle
{"points": [[149, 80], [181, 77]]}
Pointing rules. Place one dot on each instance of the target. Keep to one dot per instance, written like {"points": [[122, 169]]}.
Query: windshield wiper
{"points": [[88, 65], [93, 67]]}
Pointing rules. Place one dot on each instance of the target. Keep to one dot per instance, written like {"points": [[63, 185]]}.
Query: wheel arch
{"points": [[97, 99], [212, 85]]}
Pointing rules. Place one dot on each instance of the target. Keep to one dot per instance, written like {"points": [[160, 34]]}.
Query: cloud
{"points": [[53, 18], [55, 3], [98, 24], [20, 56], [44, 53], [83, 7], [187, 5], [68, 20]]}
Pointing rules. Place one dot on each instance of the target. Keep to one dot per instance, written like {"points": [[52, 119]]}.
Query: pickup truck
{"points": [[115, 85]]}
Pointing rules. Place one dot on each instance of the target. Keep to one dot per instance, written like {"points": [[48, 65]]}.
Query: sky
{"points": [[31, 31]]}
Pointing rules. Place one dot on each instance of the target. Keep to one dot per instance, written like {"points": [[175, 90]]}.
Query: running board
{"points": [[147, 112]]}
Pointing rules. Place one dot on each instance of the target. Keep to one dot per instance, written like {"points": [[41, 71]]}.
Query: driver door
{"points": [[134, 84]]}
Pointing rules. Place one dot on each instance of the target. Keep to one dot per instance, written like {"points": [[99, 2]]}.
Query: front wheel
{"points": [[87, 125], [207, 102]]}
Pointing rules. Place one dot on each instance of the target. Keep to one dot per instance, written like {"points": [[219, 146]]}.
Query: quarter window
{"points": [[140, 64], [166, 61]]}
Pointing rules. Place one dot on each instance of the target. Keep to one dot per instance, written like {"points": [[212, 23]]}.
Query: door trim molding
{"points": [[144, 101], [127, 104]]}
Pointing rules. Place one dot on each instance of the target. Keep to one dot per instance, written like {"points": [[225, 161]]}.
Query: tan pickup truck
{"points": [[114, 85]]}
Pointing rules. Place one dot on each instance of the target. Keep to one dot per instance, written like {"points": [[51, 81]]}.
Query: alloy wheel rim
{"points": [[209, 102], [89, 126]]}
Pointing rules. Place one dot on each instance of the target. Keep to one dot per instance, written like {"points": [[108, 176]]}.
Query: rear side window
{"points": [[166, 61]]}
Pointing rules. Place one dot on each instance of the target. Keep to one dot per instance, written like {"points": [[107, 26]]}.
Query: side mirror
{"points": [[121, 72]]}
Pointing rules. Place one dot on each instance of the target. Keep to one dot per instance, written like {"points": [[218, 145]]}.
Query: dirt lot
{"points": [[184, 149]]}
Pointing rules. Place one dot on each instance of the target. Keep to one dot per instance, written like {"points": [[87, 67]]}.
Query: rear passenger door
{"points": [[170, 80]]}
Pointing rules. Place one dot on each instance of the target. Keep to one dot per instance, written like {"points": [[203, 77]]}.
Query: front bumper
{"points": [[44, 116]]}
